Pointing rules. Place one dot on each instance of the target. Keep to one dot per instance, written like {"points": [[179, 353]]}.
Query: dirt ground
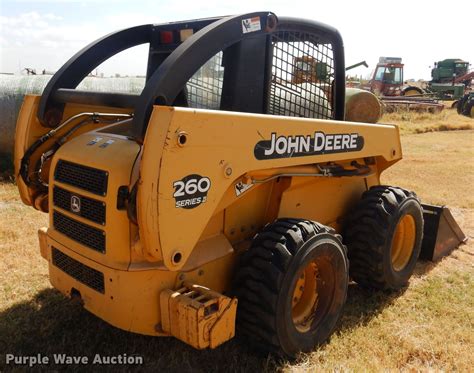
{"points": [[427, 326]]}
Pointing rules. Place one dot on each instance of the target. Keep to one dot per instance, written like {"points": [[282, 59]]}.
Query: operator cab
{"points": [[256, 63], [389, 74], [273, 66], [388, 77]]}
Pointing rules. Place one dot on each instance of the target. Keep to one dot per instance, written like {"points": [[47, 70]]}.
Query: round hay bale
{"points": [[13, 88], [362, 106]]}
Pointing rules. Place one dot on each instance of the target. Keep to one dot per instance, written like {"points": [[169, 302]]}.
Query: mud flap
{"points": [[441, 233]]}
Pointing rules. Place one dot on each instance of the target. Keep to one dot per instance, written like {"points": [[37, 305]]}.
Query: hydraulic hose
{"points": [[25, 161]]}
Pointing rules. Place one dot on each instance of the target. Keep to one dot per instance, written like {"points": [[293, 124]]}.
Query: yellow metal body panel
{"points": [[131, 298], [244, 219], [117, 159], [43, 242], [147, 198], [28, 130], [220, 146], [322, 200]]}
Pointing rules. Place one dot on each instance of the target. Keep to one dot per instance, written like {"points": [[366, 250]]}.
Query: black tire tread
{"points": [[261, 273], [467, 108], [460, 106], [365, 233]]}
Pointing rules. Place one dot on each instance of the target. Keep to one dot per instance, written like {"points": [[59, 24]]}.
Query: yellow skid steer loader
{"points": [[228, 195]]}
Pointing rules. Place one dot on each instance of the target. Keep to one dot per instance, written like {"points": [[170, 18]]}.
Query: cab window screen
{"points": [[204, 89], [302, 76]]}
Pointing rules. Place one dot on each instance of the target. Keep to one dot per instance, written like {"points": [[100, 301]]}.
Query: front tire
{"points": [[291, 286], [383, 236]]}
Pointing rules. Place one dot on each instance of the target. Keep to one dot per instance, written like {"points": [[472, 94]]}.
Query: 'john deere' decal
{"points": [[300, 146], [191, 191]]}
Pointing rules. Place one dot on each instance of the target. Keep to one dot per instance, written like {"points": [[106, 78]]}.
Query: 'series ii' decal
{"points": [[305, 145], [191, 191]]}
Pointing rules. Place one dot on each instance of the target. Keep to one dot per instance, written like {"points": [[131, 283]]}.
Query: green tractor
{"points": [[449, 78], [444, 71]]}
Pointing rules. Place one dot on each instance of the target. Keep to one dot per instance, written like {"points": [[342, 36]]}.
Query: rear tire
{"points": [[412, 91], [460, 105], [467, 110], [291, 287], [383, 236]]}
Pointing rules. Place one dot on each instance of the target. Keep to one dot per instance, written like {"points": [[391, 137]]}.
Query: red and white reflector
{"points": [[166, 37]]}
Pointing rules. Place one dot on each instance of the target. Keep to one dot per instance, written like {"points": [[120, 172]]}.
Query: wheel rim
{"points": [[305, 297], [403, 242]]}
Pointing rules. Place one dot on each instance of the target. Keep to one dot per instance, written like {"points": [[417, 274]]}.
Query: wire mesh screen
{"points": [[302, 76], [204, 89]]}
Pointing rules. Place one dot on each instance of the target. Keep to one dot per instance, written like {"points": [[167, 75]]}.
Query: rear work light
{"points": [[166, 37]]}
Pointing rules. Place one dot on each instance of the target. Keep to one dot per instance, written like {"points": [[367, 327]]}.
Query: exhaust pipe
{"points": [[441, 233]]}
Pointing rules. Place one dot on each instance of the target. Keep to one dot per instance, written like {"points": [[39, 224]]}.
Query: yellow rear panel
{"points": [[115, 155]]}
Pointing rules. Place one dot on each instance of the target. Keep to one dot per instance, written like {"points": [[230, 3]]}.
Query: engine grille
{"points": [[88, 208], [82, 233], [82, 273], [83, 177]]}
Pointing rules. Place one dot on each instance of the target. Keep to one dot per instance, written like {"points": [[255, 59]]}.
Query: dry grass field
{"points": [[411, 122], [427, 326]]}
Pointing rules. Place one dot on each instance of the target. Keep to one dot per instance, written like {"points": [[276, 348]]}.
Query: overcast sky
{"points": [[43, 34]]}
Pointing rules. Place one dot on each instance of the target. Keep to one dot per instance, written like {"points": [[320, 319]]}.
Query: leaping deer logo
{"points": [[75, 204]]}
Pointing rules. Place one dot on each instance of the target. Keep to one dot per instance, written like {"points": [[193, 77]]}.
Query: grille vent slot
{"points": [[82, 177], [89, 208], [82, 273], [89, 236]]}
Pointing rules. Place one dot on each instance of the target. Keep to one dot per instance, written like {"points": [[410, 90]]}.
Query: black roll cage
{"points": [[170, 66]]}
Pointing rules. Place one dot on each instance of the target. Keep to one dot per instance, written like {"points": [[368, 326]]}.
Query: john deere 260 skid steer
{"points": [[227, 196]]}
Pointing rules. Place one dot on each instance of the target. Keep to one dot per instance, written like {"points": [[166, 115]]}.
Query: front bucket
{"points": [[441, 233]]}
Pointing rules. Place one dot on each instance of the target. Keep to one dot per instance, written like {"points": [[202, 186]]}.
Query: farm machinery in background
{"points": [[465, 105], [360, 105], [450, 79]]}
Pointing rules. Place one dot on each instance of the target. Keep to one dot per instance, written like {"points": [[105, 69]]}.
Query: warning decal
{"points": [[240, 188], [251, 25]]}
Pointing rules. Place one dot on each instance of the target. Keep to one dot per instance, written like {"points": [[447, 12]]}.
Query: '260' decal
{"points": [[191, 191]]}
